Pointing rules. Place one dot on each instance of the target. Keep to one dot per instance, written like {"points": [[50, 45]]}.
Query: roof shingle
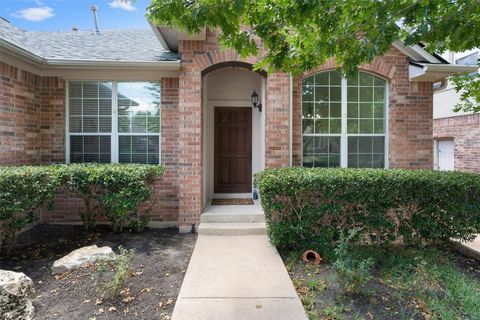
{"points": [[110, 45]]}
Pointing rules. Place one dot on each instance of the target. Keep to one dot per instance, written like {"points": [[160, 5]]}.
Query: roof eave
{"points": [[21, 51], [437, 72], [79, 63]]}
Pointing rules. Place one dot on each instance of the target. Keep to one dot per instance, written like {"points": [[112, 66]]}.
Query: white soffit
{"points": [[436, 72]]}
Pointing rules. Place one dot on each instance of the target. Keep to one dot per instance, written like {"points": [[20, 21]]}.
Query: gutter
{"points": [[290, 122], [171, 65], [436, 72]]}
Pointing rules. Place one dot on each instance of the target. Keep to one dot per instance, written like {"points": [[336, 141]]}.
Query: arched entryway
{"points": [[233, 131]]}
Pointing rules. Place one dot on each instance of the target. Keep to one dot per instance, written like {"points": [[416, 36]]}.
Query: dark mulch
{"points": [[161, 259]]}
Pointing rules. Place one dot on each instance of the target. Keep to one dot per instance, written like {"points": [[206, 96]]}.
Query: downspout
{"points": [[290, 123]]}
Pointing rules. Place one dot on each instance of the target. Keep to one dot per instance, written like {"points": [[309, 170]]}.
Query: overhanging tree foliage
{"points": [[300, 34]]}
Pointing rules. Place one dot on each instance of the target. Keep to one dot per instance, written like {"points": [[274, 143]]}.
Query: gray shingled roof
{"points": [[110, 45]]}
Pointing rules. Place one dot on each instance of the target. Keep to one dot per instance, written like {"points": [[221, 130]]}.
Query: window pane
{"points": [[90, 124], [353, 80], [321, 126], [138, 149], [153, 124], [321, 151], [307, 126], [335, 78], [105, 124], [378, 126], [307, 110], [105, 107], [352, 125], [335, 110], [335, 93], [321, 110], [379, 94], [90, 90], [366, 94], [307, 145], [75, 124], [88, 112], [90, 107], [75, 89], [366, 126], [321, 79], [321, 94], [307, 93], [335, 125], [352, 94], [308, 81], [105, 90], [75, 107], [352, 110], [379, 110], [138, 105], [366, 110], [366, 152], [321, 145], [90, 149], [365, 79]]}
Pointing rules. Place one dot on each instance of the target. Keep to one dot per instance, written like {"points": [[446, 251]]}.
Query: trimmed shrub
{"points": [[22, 190], [310, 208], [116, 190]]}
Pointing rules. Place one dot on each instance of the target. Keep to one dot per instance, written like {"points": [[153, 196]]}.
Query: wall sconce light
{"points": [[255, 101]]}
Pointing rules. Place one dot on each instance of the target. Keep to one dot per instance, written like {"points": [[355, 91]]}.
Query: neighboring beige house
{"points": [[456, 134], [160, 96]]}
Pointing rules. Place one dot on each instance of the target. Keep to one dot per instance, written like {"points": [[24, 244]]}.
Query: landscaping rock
{"points": [[16, 290], [82, 256]]}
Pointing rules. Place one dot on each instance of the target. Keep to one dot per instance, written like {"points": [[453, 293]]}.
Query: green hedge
{"points": [[116, 190], [309, 208], [22, 190]]}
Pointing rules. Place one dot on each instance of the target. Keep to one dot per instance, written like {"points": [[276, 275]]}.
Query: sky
{"points": [[62, 15]]}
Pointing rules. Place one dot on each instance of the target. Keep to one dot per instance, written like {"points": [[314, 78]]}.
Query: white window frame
{"points": [[344, 134], [114, 134]]}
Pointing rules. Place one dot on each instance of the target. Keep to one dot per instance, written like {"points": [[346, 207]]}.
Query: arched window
{"points": [[344, 120]]}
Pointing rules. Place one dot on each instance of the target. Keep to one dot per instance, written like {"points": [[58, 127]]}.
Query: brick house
{"points": [[160, 96], [456, 134]]}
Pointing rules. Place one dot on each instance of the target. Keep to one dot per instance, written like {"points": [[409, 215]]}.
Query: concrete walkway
{"points": [[236, 274]]}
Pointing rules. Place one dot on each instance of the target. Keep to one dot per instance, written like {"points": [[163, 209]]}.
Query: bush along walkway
{"points": [[236, 274]]}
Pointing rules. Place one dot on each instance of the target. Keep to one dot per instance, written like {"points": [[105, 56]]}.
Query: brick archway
{"points": [[198, 59]]}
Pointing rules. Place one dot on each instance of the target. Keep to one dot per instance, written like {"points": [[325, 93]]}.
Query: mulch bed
{"points": [[378, 301], [159, 265]]}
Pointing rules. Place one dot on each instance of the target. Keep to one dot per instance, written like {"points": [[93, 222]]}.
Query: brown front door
{"points": [[233, 150]]}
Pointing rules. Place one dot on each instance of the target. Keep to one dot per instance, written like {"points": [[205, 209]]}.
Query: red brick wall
{"points": [[277, 111], [19, 116], [465, 131], [410, 112], [52, 120]]}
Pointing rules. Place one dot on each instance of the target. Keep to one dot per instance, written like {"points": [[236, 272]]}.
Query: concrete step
{"points": [[210, 217], [232, 229]]}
